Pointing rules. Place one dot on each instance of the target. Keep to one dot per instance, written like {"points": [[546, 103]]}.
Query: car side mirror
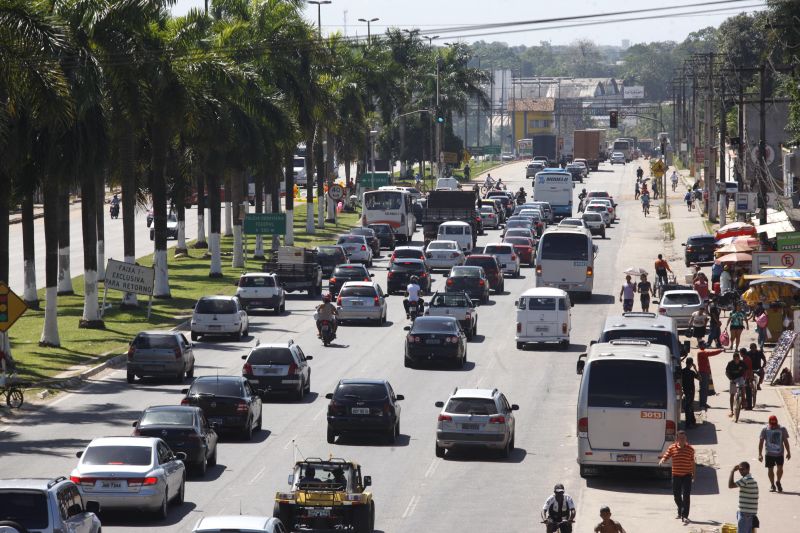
{"points": [[92, 507], [686, 348], [244, 357], [329, 396], [439, 404], [407, 328], [79, 454], [372, 275], [655, 301], [400, 397], [581, 364], [514, 407], [184, 391], [572, 304], [367, 481], [309, 357], [180, 455], [74, 509], [683, 244], [592, 343], [291, 479]]}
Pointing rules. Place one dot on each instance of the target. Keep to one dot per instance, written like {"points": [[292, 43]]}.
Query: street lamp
{"points": [[369, 21], [435, 117], [319, 4]]}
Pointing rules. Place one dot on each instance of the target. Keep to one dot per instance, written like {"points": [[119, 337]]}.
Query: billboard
{"points": [[633, 92]]}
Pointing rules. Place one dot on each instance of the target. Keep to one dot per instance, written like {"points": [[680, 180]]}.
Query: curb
{"points": [[795, 422]]}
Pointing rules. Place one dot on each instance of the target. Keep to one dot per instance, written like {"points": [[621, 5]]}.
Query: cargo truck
{"points": [[545, 145], [590, 145], [450, 206]]}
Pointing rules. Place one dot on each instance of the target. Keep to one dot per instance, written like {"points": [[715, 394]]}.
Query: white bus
{"points": [[565, 260], [625, 146], [554, 186], [393, 207]]}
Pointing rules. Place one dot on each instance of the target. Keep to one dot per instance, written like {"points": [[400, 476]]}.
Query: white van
{"points": [[628, 409], [461, 232], [543, 315], [447, 184], [565, 260]]}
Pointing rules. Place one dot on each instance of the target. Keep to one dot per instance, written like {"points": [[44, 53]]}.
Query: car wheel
{"points": [[259, 425], [485, 299], [298, 394], [181, 496], [190, 373], [237, 336], [520, 346], [276, 310], [506, 452], [248, 431], [603, 235], [392, 436], [283, 305], [408, 363], [161, 512], [331, 436], [308, 383], [179, 378], [195, 336], [246, 331], [361, 520], [131, 377], [212, 459], [511, 444], [564, 345], [439, 451], [201, 467]]}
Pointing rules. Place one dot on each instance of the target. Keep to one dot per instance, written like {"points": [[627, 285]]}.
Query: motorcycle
{"points": [[326, 332], [114, 210], [415, 309]]}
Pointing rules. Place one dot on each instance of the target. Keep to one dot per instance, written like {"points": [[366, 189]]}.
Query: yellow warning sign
{"points": [[11, 307]]}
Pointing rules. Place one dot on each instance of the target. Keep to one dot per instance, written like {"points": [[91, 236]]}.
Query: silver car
{"points": [[131, 473], [219, 315], [250, 524], [679, 305], [357, 248], [443, 254], [46, 506], [476, 418], [361, 300], [160, 353]]}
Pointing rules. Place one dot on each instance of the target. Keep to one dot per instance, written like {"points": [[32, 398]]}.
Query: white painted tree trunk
{"points": [[161, 285], [64, 272], [258, 253], [238, 247], [129, 300], [101, 260], [91, 310], [214, 251], [29, 293], [201, 226], [228, 219], [321, 211], [50, 328], [181, 235], [289, 238], [331, 210], [310, 229]]}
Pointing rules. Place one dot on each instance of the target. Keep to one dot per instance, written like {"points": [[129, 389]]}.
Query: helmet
{"points": [[326, 298], [522, 189], [558, 488], [414, 279]]}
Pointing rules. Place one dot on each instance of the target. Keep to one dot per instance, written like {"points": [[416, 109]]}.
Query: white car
{"points": [[361, 300], [131, 473], [578, 222], [357, 248], [443, 254], [595, 223], [257, 289], [617, 158], [506, 257], [219, 315], [489, 217], [602, 209], [679, 305], [239, 523], [611, 210]]}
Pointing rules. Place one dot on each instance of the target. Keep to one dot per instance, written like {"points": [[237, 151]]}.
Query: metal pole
{"points": [[761, 175], [709, 163], [723, 133], [438, 125]]}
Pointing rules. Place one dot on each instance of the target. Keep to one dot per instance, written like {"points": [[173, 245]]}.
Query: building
{"points": [[531, 116]]}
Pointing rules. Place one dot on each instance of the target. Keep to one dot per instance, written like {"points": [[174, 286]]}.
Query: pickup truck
{"points": [[259, 290], [458, 305], [297, 269]]}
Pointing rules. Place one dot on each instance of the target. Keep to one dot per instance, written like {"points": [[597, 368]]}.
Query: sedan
{"points": [[278, 367], [219, 315], [443, 254], [401, 272], [513, 223], [160, 353], [436, 338], [699, 249], [344, 273], [358, 249], [573, 222], [577, 172], [172, 228], [131, 473], [364, 406], [525, 248], [407, 252], [361, 300], [184, 429], [608, 203], [371, 237], [489, 217], [385, 234], [469, 279], [679, 305], [228, 402]]}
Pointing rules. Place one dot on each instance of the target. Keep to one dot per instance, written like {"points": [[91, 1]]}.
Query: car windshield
{"points": [[358, 271], [215, 307], [499, 249], [382, 201], [564, 247], [463, 272], [271, 356], [358, 292], [628, 384], [257, 281], [117, 455], [350, 239], [534, 303], [450, 300], [681, 298], [663, 338], [471, 406], [217, 387], [408, 254], [361, 391], [28, 508], [485, 262], [442, 245], [518, 224], [146, 341], [167, 417], [298, 162]]}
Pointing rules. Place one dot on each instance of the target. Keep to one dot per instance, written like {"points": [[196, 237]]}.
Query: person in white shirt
{"points": [[558, 511], [413, 290], [674, 179], [488, 182]]}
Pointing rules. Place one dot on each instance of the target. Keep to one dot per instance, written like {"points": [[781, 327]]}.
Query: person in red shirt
{"points": [[704, 369], [701, 286], [748, 378]]}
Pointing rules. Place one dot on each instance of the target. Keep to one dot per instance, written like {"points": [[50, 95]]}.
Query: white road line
{"points": [[289, 443], [258, 475], [322, 412], [411, 506], [432, 468]]}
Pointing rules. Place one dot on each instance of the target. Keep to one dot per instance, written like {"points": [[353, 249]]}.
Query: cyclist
{"points": [[488, 183], [413, 289], [558, 511], [499, 185], [645, 198], [639, 173], [417, 179], [662, 267], [674, 178], [735, 371], [326, 311]]}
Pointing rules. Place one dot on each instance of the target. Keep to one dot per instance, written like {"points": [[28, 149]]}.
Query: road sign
{"points": [[788, 241], [11, 307], [128, 277], [787, 260], [373, 180], [336, 192], [699, 155], [265, 224], [475, 150], [450, 157], [769, 154], [493, 149]]}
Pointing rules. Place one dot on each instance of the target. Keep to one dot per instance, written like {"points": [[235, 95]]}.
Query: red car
{"points": [[492, 269], [524, 248]]}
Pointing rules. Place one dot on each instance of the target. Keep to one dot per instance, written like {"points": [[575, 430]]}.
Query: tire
{"points": [[308, 384], [237, 336], [247, 433], [212, 459], [392, 436], [130, 377], [520, 346], [439, 451], [603, 235], [584, 472], [300, 392], [13, 525], [14, 398], [276, 310], [246, 331], [283, 305], [190, 373], [511, 444], [161, 512], [361, 520], [195, 336], [259, 425], [408, 363], [201, 467], [285, 513], [506, 452], [331, 435]]}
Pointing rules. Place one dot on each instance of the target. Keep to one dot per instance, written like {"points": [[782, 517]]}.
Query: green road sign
{"points": [[476, 150], [265, 224], [493, 149], [788, 241], [373, 180]]}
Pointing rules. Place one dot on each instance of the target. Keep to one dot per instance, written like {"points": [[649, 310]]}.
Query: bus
{"points": [[554, 185], [393, 207], [565, 260], [625, 146]]}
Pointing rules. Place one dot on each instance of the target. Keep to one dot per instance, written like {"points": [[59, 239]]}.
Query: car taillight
{"points": [[583, 426], [331, 281], [85, 481], [445, 418], [497, 420], [669, 430], [452, 340], [136, 432], [363, 248], [481, 283], [185, 401], [293, 369], [589, 272], [376, 301], [564, 327], [241, 407], [389, 274], [513, 257], [142, 481], [424, 275], [662, 311], [387, 409], [678, 389], [247, 369], [491, 216], [366, 279], [339, 300], [538, 270], [177, 353], [690, 248], [519, 327]]}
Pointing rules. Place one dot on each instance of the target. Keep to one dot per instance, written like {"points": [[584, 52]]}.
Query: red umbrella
{"points": [[735, 229], [737, 257]]}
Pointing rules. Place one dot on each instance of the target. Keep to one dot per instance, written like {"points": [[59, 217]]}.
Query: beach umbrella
{"points": [[635, 271], [782, 273], [735, 229], [733, 247], [738, 257]]}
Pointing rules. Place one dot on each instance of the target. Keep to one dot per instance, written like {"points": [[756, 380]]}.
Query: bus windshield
{"points": [[564, 247], [383, 200]]}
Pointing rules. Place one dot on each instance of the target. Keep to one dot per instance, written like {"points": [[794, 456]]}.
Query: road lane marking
{"points": [[321, 412], [258, 475], [412, 505], [289, 443], [432, 468]]}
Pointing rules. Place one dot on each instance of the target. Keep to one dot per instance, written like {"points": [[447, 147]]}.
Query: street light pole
{"points": [[435, 132], [369, 33], [319, 4]]}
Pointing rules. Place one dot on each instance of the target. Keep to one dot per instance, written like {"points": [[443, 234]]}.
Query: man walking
{"points": [[683, 472], [688, 377], [704, 369], [748, 498], [777, 439], [626, 295]]}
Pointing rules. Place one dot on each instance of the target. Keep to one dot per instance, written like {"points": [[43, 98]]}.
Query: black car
{"points": [[185, 429], [435, 338], [344, 273], [278, 368], [492, 269], [469, 279], [229, 403], [576, 171], [385, 234], [507, 203], [329, 257], [699, 249], [372, 239], [363, 406], [401, 271]]}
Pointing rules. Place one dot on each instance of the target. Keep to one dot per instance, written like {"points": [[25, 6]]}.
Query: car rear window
{"points": [[217, 387], [442, 245], [628, 384], [681, 299], [450, 299], [593, 217], [350, 239], [357, 292], [535, 303], [163, 417], [487, 209], [354, 270], [499, 249], [407, 266], [270, 356], [597, 194], [381, 229], [408, 254], [465, 272], [361, 391], [145, 341], [518, 240], [329, 252], [215, 307], [434, 326], [471, 406], [117, 455], [701, 241], [27, 508], [257, 281], [518, 224], [488, 263], [367, 232]]}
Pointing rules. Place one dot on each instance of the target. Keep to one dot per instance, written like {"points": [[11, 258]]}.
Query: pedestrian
{"points": [[626, 295], [776, 439], [697, 324], [737, 322], [725, 280], [761, 325], [759, 361], [683, 472], [688, 377], [645, 290], [714, 325], [746, 519], [716, 272], [655, 189], [704, 369], [636, 194], [735, 371], [607, 524], [748, 402], [700, 283], [688, 199]]}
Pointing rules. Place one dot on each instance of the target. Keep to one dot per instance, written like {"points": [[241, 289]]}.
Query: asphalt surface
{"points": [[413, 490]]}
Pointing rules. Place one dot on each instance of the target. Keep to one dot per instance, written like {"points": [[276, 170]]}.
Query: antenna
{"points": [[345, 23]]}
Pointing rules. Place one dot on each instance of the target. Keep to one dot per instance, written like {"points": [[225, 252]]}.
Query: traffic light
{"points": [[439, 115], [612, 119]]}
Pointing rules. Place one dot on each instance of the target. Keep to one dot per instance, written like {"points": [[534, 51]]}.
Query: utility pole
{"points": [[438, 124], [723, 133], [709, 163], [491, 109], [693, 132], [740, 157], [761, 175]]}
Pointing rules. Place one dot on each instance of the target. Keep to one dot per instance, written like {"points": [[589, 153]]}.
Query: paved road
{"points": [[414, 491]]}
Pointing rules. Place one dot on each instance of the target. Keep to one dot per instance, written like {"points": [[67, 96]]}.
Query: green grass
{"points": [[475, 171], [188, 281]]}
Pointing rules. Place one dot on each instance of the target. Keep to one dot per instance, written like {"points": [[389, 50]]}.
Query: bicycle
{"points": [[752, 384], [738, 398], [12, 390]]}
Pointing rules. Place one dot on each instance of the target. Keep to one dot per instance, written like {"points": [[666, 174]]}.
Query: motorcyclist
{"points": [[115, 201], [326, 311], [558, 511], [521, 196], [488, 182], [413, 289], [581, 198]]}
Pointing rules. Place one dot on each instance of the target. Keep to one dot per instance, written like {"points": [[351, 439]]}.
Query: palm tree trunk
{"points": [[321, 177], [330, 172], [127, 162], [64, 270], [289, 171], [179, 199], [30, 296], [273, 204], [50, 336], [91, 310], [5, 197], [258, 253], [310, 185], [100, 222], [158, 189], [214, 209], [228, 207], [237, 181], [201, 212]]}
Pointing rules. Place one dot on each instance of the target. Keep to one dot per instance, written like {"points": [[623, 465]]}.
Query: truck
{"points": [[647, 147], [296, 268], [590, 145], [554, 185], [545, 145], [450, 206]]}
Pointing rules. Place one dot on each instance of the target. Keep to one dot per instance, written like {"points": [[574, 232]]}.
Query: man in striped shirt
{"points": [[748, 497], [683, 472]]}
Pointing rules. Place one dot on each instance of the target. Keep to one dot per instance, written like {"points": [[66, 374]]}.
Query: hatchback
{"points": [[407, 252], [492, 269], [600, 194], [372, 239], [160, 354], [364, 406], [361, 300], [344, 273], [229, 403], [600, 209], [261, 290], [489, 217], [519, 223], [329, 257], [278, 367], [521, 232], [400, 274], [595, 223], [506, 257], [617, 158], [219, 315], [577, 222], [436, 339], [357, 247], [608, 203], [679, 305], [469, 279], [385, 235], [443, 254], [699, 249], [131, 473]]}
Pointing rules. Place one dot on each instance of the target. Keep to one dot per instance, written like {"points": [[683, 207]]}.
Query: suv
{"points": [[699, 249], [491, 268], [261, 290], [476, 418], [595, 223], [278, 367], [656, 329], [364, 405], [46, 506], [326, 494]]}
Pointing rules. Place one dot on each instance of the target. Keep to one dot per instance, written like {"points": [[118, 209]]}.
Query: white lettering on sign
{"points": [[126, 277], [551, 178]]}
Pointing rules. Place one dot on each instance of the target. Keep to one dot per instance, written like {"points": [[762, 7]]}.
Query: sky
{"points": [[430, 15]]}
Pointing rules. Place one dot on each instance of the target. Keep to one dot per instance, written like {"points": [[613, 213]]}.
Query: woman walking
{"points": [[737, 322]]}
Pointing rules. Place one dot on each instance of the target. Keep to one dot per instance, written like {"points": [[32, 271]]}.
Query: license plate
{"points": [[431, 341], [262, 371], [110, 485], [214, 327], [360, 410], [563, 287], [217, 421], [626, 458], [356, 303], [319, 512], [469, 426], [256, 302], [542, 328]]}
